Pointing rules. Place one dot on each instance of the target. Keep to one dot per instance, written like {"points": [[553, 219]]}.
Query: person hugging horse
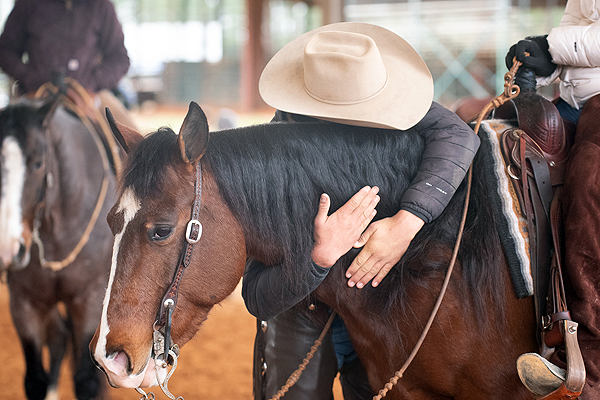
{"points": [[354, 74], [571, 54]]}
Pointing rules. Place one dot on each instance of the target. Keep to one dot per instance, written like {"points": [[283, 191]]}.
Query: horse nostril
{"points": [[21, 252], [121, 363]]}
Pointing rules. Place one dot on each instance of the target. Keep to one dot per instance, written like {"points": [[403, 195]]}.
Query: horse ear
{"points": [[193, 135], [127, 137], [46, 112]]}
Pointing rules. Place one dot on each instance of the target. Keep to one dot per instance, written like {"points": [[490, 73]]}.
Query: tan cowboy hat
{"points": [[352, 73]]}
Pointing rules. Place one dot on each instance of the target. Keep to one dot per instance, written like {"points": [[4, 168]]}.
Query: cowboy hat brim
{"points": [[403, 102]]}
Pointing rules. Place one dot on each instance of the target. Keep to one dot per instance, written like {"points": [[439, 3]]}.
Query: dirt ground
{"points": [[216, 364]]}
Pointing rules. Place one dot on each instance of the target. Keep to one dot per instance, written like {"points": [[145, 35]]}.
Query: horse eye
{"points": [[37, 164], [160, 233]]}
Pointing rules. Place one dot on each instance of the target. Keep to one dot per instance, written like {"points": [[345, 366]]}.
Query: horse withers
{"points": [[55, 245], [255, 193]]}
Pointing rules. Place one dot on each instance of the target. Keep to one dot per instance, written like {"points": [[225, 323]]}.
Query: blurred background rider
{"points": [[80, 39]]}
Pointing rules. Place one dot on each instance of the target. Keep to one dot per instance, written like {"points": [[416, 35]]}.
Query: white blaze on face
{"points": [[115, 365], [13, 179]]}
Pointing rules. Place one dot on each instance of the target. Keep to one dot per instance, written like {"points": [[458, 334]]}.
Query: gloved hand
{"points": [[539, 58]]}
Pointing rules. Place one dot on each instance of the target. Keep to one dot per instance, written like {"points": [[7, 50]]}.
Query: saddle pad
{"points": [[511, 225]]}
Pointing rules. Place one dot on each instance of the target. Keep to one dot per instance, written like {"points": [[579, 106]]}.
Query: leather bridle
{"points": [[192, 236], [164, 349]]}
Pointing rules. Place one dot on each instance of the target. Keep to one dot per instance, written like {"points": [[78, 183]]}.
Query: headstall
{"points": [[164, 348]]}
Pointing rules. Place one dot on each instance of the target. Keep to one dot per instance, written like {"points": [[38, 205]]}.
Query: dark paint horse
{"points": [[52, 179], [260, 192]]}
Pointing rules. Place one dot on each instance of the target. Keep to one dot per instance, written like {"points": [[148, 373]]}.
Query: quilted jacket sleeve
{"points": [[576, 41], [266, 293], [450, 145]]}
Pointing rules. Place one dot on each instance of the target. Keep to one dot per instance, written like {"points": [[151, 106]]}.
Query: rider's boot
{"points": [[288, 337]]}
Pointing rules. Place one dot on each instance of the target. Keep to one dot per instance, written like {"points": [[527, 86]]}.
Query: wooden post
{"points": [[333, 11], [253, 61]]}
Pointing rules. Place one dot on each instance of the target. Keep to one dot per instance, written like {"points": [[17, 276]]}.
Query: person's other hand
{"points": [[385, 242], [337, 233], [534, 54]]}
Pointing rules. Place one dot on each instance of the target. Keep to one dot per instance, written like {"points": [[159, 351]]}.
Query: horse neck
{"points": [[245, 174], [76, 170]]}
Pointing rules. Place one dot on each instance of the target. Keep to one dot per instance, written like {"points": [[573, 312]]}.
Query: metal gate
{"points": [[463, 42]]}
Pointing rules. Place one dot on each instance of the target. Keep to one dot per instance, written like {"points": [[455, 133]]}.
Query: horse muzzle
{"points": [[116, 367]]}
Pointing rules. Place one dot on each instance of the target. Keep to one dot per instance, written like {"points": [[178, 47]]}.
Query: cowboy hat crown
{"points": [[352, 73]]}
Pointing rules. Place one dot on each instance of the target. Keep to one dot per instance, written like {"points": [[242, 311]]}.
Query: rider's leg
{"points": [[581, 210], [288, 337], [353, 376]]}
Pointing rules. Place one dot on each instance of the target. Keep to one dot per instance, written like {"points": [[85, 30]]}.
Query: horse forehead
{"points": [[13, 163], [11, 183], [11, 150], [128, 206], [12, 158]]}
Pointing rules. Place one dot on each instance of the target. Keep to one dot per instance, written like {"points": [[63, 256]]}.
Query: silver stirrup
{"points": [[539, 375]]}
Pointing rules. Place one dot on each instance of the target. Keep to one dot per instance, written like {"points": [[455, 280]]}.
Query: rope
{"points": [[510, 91], [48, 87]]}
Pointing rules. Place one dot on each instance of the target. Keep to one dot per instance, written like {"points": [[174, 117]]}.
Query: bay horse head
{"points": [[26, 176], [149, 220]]}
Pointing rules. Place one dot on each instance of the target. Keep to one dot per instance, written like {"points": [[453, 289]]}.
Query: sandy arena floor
{"points": [[216, 364]]}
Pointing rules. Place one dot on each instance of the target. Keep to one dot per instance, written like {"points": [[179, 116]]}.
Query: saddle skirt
{"points": [[512, 225]]}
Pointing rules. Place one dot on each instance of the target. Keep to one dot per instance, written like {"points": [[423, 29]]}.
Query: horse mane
{"points": [[145, 170], [16, 118], [271, 177]]}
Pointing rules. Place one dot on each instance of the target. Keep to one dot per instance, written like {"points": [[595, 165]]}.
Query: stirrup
{"points": [[539, 375], [546, 380]]}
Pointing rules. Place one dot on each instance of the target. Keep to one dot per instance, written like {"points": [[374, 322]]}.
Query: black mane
{"points": [[16, 119], [271, 177], [147, 163]]}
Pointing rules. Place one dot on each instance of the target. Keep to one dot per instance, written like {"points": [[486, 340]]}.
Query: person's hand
{"points": [[337, 233], [384, 242], [534, 54]]}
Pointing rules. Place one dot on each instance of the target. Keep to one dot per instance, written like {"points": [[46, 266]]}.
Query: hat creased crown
{"points": [[343, 68]]}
